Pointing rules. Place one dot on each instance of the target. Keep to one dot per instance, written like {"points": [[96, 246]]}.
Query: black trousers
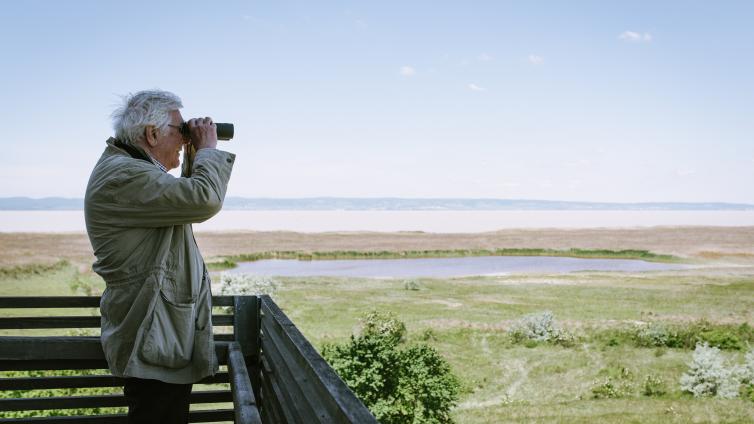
{"points": [[153, 401]]}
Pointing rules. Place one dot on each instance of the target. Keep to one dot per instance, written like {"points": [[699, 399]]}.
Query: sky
{"points": [[619, 101]]}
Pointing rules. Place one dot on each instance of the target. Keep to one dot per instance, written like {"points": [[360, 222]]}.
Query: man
{"points": [[156, 308]]}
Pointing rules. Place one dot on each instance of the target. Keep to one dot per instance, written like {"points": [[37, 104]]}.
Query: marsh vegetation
{"points": [[613, 346]]}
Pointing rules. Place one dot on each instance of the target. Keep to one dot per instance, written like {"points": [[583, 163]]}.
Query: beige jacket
{"points": [[157, 305]]}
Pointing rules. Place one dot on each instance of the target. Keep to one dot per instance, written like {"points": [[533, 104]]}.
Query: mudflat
{"points": [[728, 243]]}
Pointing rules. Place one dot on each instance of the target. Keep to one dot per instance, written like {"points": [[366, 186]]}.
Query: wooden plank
{"points": [[50, 322], [67, 382], [246, 330], [243, 394], [210, 416], [319, 371], [50, 348], [58, 364], [49, 302], [203, 416], [75, 301], [311, 402], [222, 300], [98, 401], [93, 419], [226, 320], [246, 327], [225, 337], [60, 382], [77, 322], [46, 352], [273, 397]]}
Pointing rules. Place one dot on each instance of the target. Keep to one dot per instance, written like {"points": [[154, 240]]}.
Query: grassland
{"points": [[466, 318]]}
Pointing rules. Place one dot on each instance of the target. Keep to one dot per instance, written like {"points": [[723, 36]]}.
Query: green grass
{"points": [[349, 254], [466, 320], [20, 271], [222, 264]]}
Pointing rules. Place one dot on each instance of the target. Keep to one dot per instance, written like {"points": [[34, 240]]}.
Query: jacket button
{"points": [[229, 160]]}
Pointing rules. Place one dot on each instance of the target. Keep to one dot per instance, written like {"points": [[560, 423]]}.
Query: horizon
{"points": [[315, 197], [328, 203], [619, 103]]}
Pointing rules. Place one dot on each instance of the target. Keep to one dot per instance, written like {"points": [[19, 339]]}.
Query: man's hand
{"points": [[203, 133]]}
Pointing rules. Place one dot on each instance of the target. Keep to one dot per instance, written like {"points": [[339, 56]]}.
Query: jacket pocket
{"points": [[169, 340]]}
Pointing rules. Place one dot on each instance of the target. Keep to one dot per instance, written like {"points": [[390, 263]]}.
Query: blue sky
{"points": [[594, 101]]}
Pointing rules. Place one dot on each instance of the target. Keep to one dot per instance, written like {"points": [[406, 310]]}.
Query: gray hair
{"points": [[148, 107]]}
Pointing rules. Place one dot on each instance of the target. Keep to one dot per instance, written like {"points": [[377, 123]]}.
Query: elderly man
{"points": [[156, 308]]}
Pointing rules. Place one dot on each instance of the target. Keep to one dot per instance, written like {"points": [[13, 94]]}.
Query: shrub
{"points": [[654, 386], [610, 388], [654, 335], [537, 328], [427, 335], [709, 375], [721, 338], [246, 284], [747, 375], [687, 336], [747, 370], [412, 285], [399, 385]]}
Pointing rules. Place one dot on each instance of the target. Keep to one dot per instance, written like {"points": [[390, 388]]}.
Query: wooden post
{"points": [[246, 327]]}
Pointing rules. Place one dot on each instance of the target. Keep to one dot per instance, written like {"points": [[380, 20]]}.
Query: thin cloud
{"points": [[546, 184], [474, 87], [407, 71], [362, 24], [579, 163], [536, 60], [635, 37], [484, 57]]}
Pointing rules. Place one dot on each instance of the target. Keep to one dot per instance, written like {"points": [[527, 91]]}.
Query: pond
{"points": [[444, 267]]}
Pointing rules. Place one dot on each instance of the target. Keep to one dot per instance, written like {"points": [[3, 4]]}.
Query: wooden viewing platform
{"points": [[275, 374]]}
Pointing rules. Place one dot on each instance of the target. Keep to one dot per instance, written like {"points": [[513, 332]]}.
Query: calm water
{"points": [[443, 267], [429, 221]]}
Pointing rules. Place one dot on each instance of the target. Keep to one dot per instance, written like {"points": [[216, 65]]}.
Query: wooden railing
{"points": [[275, 374]]}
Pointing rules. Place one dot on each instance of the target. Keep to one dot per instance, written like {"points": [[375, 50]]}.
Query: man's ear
{"points": [[150, 135]]}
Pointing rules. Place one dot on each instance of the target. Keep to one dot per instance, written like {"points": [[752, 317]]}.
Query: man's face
{"points": [[169, 144]]}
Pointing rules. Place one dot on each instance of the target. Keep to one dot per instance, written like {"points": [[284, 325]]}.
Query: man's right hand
{"points": [[203, 133]]}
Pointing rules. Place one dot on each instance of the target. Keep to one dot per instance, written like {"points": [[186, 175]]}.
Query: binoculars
{"points": [[224, 130]]}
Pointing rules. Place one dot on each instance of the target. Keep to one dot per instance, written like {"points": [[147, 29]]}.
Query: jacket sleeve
{"points": [[147, 197]]}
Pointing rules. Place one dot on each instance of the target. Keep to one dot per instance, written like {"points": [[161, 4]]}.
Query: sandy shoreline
{"points": [[731, 243]]}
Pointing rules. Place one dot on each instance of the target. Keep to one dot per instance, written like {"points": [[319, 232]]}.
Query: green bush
{"points": [[536, 328], [412, 285], [610, 388], [616, 382], [399, 384], [654, 386], [722, 338], [687, 336]]}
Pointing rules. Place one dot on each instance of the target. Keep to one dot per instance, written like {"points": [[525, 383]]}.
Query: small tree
{"points": [[399, 385], [709, 375]]}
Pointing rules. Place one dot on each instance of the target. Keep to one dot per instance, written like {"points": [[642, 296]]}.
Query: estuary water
{"points": [[428, 221], [443, 267]]}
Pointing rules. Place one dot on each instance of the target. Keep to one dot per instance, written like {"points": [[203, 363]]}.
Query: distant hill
{"points": [[396, 204]]}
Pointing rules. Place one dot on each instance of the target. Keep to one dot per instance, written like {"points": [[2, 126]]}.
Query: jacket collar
{"points": [[133, 151]]}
